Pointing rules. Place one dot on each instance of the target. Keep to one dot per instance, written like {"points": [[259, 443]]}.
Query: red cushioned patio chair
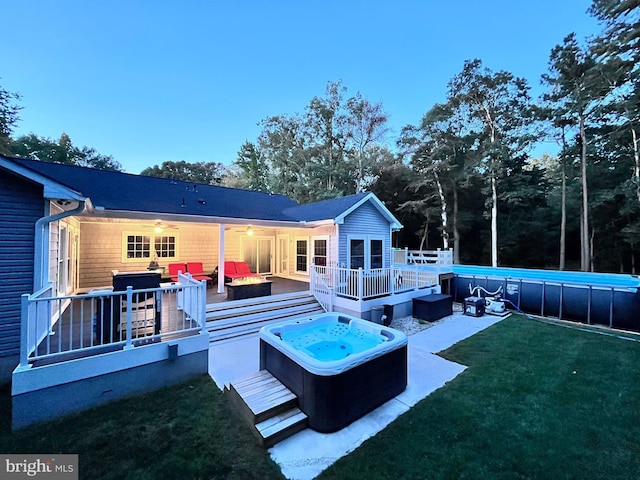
{"points": [[196, 269], [174, 268], [242, 268]]}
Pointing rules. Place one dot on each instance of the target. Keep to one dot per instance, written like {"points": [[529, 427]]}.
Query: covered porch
{"points": [[85, 251]]}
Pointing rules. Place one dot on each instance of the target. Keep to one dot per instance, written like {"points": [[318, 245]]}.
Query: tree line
{"points": [[463, 176]]}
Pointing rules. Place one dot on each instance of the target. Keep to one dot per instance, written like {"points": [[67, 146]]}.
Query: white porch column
{"points": [[221, 259]]}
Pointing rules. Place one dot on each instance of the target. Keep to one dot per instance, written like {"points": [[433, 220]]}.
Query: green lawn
{"points": [[537, 401], [182, 432]]}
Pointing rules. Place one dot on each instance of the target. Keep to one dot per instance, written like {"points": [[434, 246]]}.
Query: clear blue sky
{"points": [[150, 81]]}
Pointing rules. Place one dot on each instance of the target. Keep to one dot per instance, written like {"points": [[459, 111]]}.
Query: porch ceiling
{"points": [[111, 216]]}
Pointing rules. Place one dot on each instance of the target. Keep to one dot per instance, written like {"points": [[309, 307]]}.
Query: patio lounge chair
{"points": [[174, 268], [234, 270], [196, 270]]}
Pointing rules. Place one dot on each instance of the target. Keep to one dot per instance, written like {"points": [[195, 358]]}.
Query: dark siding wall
{"points": [[21, 204]]}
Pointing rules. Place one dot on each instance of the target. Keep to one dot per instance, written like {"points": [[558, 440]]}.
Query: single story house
{"points": [[66, 229]]}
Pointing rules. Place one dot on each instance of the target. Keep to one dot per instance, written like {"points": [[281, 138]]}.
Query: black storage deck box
{"points": [[432, 307]]}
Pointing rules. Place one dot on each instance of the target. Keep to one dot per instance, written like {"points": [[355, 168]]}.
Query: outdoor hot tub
{"points": [[339, 366]]}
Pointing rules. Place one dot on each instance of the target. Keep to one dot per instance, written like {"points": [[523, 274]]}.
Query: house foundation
{"points": [[52, 391]]}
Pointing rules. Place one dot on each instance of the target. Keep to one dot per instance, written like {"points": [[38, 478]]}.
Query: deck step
{"points": [[246, 317], [281, 426], [243, 330], [271, 309], [269, 407], [213, 307], [263, 396]]}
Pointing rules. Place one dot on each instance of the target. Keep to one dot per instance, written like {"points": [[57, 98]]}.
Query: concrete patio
{"points": [[307, 453]]}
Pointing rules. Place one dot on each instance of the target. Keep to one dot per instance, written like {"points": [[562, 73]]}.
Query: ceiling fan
{"points": [[160, 226]]}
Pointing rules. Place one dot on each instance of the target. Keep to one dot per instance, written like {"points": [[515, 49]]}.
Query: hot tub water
{"points": [[332, 340]]}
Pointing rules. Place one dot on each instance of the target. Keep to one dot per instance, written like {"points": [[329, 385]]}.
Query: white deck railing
{"points": [[328, 282], [440, 260], [54, 327]]}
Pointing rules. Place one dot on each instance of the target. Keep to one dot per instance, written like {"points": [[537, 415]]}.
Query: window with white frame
{"points": [[165, 246], [356, 253], [366, 253], [375, 253], [320, 253], [302, 255], [140, 247]]}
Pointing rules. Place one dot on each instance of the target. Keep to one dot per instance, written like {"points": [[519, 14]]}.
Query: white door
{"points": [[283, 255], [257, 252]]}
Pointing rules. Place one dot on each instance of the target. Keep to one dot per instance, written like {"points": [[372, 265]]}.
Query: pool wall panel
{"points": [[617, 306]]}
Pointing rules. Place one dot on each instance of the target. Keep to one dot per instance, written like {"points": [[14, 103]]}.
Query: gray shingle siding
{"points": [[21, 205], [364, 222]]}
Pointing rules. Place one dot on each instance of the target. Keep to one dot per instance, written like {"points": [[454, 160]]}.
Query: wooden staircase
{"points": [[269, 407], [229, 320]]}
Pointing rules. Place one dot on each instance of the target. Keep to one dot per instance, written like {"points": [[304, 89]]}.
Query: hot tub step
{"points": [[281, 426], [261, 396]]}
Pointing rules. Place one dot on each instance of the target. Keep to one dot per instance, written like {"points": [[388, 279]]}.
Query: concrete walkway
{"points": [[307, 453]]}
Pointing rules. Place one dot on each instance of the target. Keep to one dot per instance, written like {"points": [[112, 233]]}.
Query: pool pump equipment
{"points": [[476, 306]]}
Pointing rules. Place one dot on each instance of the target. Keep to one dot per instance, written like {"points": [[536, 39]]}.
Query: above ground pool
{"points": [[340, 367], [607, 299]]}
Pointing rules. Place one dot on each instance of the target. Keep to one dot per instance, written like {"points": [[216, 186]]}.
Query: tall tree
{"points": [[440, 151], [253, 169], [500, 107], [366, 124], [617, 50], [209, 173], [283, 145], [576, 90], [8, 119], [61, 151], [327, 152]]}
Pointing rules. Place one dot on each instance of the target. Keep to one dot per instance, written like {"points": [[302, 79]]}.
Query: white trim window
{"points": [[302, 255], [139, 247], [320, 250], [366, 252]]}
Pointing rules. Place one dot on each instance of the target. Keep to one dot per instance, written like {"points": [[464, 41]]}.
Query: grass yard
{"points": [[186, 431], [537, 401]]}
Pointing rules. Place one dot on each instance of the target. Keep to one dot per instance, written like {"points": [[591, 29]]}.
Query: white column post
{"points": [[129, 317], [24, 330], [221, 259]]}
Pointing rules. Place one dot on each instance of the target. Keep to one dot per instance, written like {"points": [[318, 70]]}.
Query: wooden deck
{"points": [[75, 330]]}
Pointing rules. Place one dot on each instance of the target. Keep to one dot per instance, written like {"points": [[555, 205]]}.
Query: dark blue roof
{"points": [[117, 191], [137, 193], [325, 209]]}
